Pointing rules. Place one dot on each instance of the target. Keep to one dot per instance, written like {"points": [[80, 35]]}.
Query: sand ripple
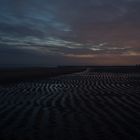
{"points": [[86, 106]]}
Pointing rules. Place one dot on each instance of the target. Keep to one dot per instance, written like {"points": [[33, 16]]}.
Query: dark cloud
{"points": [[20, 30], [71, 30]]}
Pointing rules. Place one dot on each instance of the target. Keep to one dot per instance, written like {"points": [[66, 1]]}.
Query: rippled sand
{"points": [[81, 106]]}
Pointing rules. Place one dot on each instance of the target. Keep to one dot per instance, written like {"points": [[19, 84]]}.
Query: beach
{"points": [[88, 105]]}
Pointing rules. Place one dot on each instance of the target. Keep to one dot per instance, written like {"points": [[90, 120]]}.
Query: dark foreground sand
{"points": [[82, 106]]}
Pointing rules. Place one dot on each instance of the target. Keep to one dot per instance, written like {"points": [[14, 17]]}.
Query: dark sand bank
{"points": [[13, 75], [91, 105]]}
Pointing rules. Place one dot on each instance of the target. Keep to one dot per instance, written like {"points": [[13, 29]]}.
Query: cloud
{"points": [[71, 29]]}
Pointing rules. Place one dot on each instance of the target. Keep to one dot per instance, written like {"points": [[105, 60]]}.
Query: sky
{"points": [[69, 32]]}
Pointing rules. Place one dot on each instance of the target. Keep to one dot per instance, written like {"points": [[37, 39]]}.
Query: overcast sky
{"points": [[69, 32]]}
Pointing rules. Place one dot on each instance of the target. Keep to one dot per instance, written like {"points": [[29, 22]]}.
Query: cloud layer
{"points": [[71, 32]]}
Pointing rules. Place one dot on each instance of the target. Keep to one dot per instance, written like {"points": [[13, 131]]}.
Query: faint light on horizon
{"points": [[132, 53], [80, 55]]}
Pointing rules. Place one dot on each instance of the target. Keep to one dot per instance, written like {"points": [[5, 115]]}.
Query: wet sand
{"points": [[88, 105]]}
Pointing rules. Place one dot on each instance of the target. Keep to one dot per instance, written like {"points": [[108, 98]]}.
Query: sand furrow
{"points": [[87, 105]]}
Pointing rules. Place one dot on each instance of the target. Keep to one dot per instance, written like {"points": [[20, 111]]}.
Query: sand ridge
{"points": [[81, 106]]}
